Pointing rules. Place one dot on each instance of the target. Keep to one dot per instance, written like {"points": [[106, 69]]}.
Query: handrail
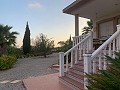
{"points": [[78, 44], [105, 44], [81, 35]]}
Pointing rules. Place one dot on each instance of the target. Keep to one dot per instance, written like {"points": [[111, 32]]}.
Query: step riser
{"points": [[79, 61], [74, 78], [76, 71], [69, 84], [77, 66]]}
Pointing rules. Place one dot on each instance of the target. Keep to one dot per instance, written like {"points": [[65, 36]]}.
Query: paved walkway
{"points": [[25, 68], [46, 82]]}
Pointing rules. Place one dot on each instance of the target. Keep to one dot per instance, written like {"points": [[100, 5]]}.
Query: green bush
{"points": [[7, 61], [107, 79]]}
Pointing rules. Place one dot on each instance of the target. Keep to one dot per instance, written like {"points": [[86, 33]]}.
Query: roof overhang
{"points": [[93, 9], [76, 4]]}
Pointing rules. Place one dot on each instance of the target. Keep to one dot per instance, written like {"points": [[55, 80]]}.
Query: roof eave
{"points": [[76, 4]]}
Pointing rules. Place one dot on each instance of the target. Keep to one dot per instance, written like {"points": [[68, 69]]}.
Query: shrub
{"points": [[7, 61], [107, 79]]}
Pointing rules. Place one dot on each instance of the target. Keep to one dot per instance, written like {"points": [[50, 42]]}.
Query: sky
{"points": [[43, 16]]}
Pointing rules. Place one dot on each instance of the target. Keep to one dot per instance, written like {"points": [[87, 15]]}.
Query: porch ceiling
{"points": [[93, 9]]}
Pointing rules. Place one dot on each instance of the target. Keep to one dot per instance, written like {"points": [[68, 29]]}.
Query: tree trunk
{"points": [[3, 49], [45, 54]]}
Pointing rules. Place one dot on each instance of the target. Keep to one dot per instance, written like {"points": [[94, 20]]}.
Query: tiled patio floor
{"points": [[47, 82]]}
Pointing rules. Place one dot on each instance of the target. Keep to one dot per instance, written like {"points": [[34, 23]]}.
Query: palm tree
{"points": [[7, 38], [88, 28]]}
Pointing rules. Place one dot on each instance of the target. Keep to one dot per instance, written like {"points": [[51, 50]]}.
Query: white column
{"points": [[61, 64], [76, 25]]}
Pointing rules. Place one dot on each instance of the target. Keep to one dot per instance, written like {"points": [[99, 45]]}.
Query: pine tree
{"points": [[26, 40]]}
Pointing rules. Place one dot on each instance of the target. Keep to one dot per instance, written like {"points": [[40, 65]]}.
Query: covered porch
{"points": [[105, 16], [84, 58]]}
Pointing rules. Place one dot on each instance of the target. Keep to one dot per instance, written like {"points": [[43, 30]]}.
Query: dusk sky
{"points": [[44, 16]]}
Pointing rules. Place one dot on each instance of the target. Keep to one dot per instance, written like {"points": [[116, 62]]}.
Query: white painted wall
{"points": [[109, 24], [106, 30], [118, 21]]}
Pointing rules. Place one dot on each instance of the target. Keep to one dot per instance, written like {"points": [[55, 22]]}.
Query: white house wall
{"points": [[118, 21], [106, 30], [100, 19]]}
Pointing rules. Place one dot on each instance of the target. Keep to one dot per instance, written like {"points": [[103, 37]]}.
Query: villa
{"points": [[85, 57]]}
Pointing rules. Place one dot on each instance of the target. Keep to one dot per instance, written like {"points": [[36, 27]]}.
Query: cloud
{"points": [[34, 5]]}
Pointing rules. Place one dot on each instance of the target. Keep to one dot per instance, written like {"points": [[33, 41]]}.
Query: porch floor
{"points": [[47, 82]]}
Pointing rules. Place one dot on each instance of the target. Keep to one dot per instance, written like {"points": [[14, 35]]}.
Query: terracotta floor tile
{"points": [[47, 82]]}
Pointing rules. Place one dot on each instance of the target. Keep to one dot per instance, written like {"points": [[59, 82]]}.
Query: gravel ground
{"points": [[36, 66]]}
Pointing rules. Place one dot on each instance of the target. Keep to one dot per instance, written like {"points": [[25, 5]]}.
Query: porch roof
{"points": [[74, 6], [93, 9]]}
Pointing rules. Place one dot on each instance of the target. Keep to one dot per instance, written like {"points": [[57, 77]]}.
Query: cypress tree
{"points": [[26, 40]]}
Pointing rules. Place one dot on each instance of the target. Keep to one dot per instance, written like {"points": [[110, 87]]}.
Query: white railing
{"points": [[97, 60], [75, 53], [78, 39]]}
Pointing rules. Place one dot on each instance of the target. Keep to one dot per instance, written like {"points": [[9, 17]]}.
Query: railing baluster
{"points": [[83, 46], [72, 58], [67, 62], [76, 55], [117, 43], [87, 42], [113, 48], [80, 52], [109, 51], [80, 39], [73, 41], [100, 61], [76, 40], [94, 66], [105, 62]]}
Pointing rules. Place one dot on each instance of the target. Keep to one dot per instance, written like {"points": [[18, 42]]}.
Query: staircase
{"points": [[83, 59], [74, 77], [72, 74]]}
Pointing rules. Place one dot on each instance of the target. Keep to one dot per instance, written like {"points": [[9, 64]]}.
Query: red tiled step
{"points": [[79, 64], [77, 69], [80, 60], [75, 75], [73, 82]]}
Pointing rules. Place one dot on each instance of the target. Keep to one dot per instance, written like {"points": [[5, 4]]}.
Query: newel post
{"points": [[87, 68], [118, 41], [61, 64], [91, 41]]}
